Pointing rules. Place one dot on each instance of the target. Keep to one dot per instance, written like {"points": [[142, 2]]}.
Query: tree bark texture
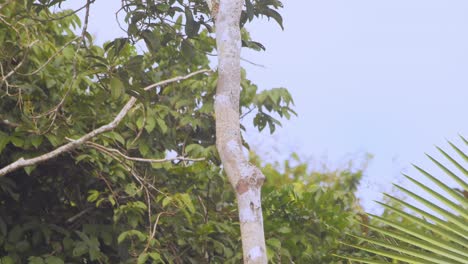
{"points": [[245, 178]]}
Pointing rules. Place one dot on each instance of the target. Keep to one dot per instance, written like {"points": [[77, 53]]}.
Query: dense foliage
{"points": [[97, 203], [307, 213]]}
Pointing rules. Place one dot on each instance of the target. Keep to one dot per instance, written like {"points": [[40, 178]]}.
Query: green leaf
{"points": [[150, 124], [18, 142], [4, 140], [53, 139], [3, 228], [362, 260], [80, 249], [429, 226], [143, 148], [162, 125], [130, 233], [274, 243], [131, 189], [448, 226], [162, 7], [415, 252], [142, 258], [461, 153], [457, 196], [23, 246], [191, 26], [53, 260], [253, 45], [15, 234], [94, 251], [32, 260], [93, 195], [68, 243], [155, 256], [187, 49], [36, 141], [167, 200], [441, 210], [115, 136], [7, 260], [459, 181], [187, 201], [117, 88], [111, 200], [249, 9], [284, 230], [453, 161], [394, 255], [275, 15], [140, 122], [29, 169], [152, 41]]}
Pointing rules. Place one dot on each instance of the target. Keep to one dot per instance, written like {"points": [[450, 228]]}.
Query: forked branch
{"points": [[21, 163]]}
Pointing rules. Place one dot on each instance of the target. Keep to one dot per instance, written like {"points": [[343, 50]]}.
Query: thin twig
{"points": [[153, 233], [49, 59], [78, 215], [248, 112], [253, 63], [109, 186], [75, 71], [8, 123], [51, 18], [4, 4], [21, 163], [140, 132]]}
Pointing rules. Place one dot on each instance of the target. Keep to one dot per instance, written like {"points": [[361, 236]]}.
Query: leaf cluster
{"points": [[93, 204]]}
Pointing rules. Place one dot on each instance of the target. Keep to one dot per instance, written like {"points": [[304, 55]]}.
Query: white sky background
{"points": [[388, 78]]}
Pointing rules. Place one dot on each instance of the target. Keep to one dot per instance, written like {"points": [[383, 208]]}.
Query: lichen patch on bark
{"points": [[255, 252]]}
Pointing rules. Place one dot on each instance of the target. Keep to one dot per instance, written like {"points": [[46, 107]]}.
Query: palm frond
{"points": [[411, 234]]}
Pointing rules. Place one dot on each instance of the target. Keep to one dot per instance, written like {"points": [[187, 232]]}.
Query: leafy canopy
{"points": [[97, 203]]}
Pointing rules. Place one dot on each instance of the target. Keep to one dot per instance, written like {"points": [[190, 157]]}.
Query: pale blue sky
{"points": [[385, 77]]}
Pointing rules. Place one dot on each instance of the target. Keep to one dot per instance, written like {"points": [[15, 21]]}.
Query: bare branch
{"points": [[52, 18], [78, 215], [49, 59], [111, 150], [153, 232], [4, 4], [21, 163], [253, 63], [8, 123]]}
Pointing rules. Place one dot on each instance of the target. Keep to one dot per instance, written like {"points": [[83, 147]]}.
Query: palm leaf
{"points": [[416, 235]]}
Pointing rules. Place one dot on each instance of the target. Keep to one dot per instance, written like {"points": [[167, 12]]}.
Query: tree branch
{"points": [[111, 150], [21, 163]]}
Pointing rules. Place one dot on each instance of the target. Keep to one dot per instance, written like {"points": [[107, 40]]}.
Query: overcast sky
{"points": [[387, 78]]}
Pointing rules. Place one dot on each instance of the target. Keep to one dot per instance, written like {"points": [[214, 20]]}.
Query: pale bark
{"points": [[245, 178]]}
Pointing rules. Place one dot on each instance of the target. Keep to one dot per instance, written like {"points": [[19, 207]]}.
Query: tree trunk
{"points": [[245, 178]]}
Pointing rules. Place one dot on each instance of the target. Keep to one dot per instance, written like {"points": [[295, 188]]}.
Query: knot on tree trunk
{"points": [[252, 178]]}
